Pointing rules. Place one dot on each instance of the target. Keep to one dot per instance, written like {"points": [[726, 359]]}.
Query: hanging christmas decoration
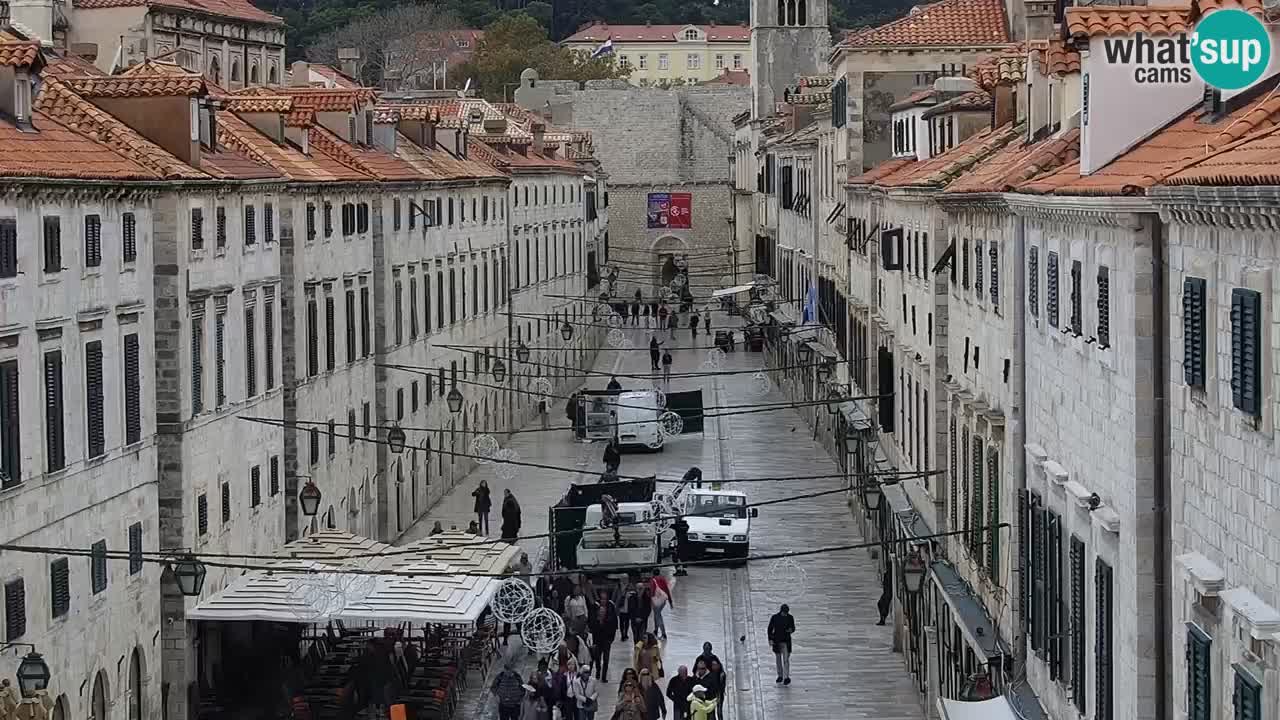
{"points": [[504, 460], [542, 630], [615, 338], [785, 581], [513, 601], [670, 424], [483, 447]]}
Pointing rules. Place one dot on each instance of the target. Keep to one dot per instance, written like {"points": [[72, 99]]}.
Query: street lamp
{"points": [[309, 498], [804, 353], [189, 573], [454, 398], [566, 331], [871, 494], [834, 398], [33, 674], [499, 370], [522, 352], [913, 572], [824, 372], [396, 439]]}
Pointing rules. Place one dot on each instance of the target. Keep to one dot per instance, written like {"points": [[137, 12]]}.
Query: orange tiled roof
{"points": [[943, 169], [1186, 140], [234, 9], [300, 118], [947, 24], [1250, 6], [730, 77], [600, 31], [1056, 57], [258, 104], [324, 99], [437, 164], [137, 86], [373, 162], [1254, 160], [59, 102], [1017, 163], [917, 98], [416, 112], [968, 102], [1003, 68], [19, 54], [230, 164], [1094, 20], [884, 169], [335, 76], [66, 65], [286, 159], [55, 151], [164, 65]]}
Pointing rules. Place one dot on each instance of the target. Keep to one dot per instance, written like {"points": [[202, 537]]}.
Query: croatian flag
{"points": [[606, 48]]}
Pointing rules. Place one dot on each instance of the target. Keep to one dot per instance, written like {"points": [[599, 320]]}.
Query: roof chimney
{"points": [[33, 17], [300, 74], [349, 61], [539, 131]]}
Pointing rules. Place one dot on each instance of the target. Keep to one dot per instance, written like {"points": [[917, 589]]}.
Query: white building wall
{"points": [[90, 499]]}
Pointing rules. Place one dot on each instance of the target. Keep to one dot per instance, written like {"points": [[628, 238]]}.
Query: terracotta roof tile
{"points": [[943, 24], [154, 66], [372, 162], [923, 97], [235, 9], [968, 102], [230, 164], [137, 86], [1055, 57], [285, 158], [335, 76], [1250, 6], [300, 118], [1184, 141], [55, 151], [325, 99], [19, 54], [730, 77], [65, 65], [599, 32], [941, 170], [1094, 20], [439, 165], [1004, 68], [1017, 163], [411, 112], [75, 113], [1254, 160], [258, 104], [884, 169]]}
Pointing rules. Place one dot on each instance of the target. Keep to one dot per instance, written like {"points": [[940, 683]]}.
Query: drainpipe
{"points": [[1018, 422], [1164, 482]]}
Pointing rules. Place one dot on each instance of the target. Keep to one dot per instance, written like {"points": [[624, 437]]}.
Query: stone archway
{"points": [[665, 248]]}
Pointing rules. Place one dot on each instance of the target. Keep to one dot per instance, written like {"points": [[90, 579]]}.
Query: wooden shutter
{"points": [[395, 213], [269, 338], [993, 514], [250, 224], [351, 324], [364, 322], [10, 425], [250, 353], [15, 610], [1199, 675], [1104, 307], [1246, 358], [1038, 576], [1193, 332], [129, 237], [92, 240], [197, 228], [8, 248], [1246, 696], [273, 480], [1077, 298], [995, 275], [313, 438], [977, 268], [333, 435], [255, 486], [311, 222], [52, 244], [976, 506], [132, 390], [1078, 672], [362, 217], [219, 359], [135, 548], [98, 567], [1033, 280], [1053, 587], [328, 219], [93, 398], [220, 223], [1051, 289], [313, 337], [268, 223], [226, 503], [59, 587], [54, 437], [1103, 690], [1024, 565], [886, 390], [330, 333], [197, 363], [202, 514]]}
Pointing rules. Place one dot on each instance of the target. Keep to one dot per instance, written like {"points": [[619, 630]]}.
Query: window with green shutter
{"points": [[954, 479], [1038, 575], [1078, 672], [993, 513], [59, 587], [1104, 307], [1199, 675], [1193, 332], [15, 610], [1053, 593], [98, 567], [1051, 289], [135, 548], [1247, 696], [93, 392], [1024, 559], [1103, 662], [132, 390], [1246, 351], [1033, 280], [976, 506]]}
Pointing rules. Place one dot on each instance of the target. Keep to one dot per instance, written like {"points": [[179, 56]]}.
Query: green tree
{"points": [[517, 41], [540, 11]]}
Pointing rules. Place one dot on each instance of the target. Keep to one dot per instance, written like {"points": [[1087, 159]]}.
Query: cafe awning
{"points": [[994, 709], [732, 290]]}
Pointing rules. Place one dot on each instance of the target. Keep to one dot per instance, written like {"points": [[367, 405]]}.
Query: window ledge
{"points": [[1208, 578], [1262, 619]]}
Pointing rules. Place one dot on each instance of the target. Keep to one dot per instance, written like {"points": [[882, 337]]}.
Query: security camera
{"points": [[1094, 502]]}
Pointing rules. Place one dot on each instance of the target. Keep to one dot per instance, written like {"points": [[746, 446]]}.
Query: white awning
{"points": [[453, 599], [732, 290], [993, 709]]}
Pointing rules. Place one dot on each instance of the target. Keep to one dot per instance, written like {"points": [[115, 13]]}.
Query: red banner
{"points": [[670, 211]]}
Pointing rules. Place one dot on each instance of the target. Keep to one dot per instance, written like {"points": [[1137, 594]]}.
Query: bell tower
{"points": [[789, 39]]}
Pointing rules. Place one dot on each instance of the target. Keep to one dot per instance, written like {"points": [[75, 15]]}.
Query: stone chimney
{"points": [[33, 18], [1039, 19], [1004, 105], [349, 61], [539, 134], [300, 74]]}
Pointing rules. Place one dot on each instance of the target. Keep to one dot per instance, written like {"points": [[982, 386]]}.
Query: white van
{"points": [[636, 414], [719, 524]]}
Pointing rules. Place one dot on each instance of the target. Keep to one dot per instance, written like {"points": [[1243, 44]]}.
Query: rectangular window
{"points": [[643, 62], [365, 348], [60, 587], [226, 503], [250, 225], [311, 222], [219, 359], [964, 260], [250, 355], [351, 427], [439, 298], [268, 223], [92, 241], [15, 610], [98, 566], [1199, 675], [94, 420], [397, 310], [365, 419], [332, 444], [1104, 708], [313, 336], [129, 237], [255, 486], [395, 213], [269, 337], [994, 254], [1051, 289], [1104, 307], [202, 514], [197, 363], [719, 61], [413, 396], [413, 307], [1037, 591], [977, 268], [1247, 696], [693, 61], [362, 217], [737, 61], [1033, 280], [1077, 624], [54, 440], [273, 471], [664, 61], [1193, 332], [1077, 298], [453, 298], [313, 440], [1246, 351], [135, 548], [328, 219], [132, 390], [52, 243], [399, 403], [351, 324], [197, 229], [330, 332], [220, 229]]}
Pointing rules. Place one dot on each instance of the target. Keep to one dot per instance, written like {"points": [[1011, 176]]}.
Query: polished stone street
{"points": [[843, 664]]}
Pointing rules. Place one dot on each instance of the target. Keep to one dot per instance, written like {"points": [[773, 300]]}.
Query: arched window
{"points": [[690, 34], [215, 70], [60, 711], [253, 74], [782, 12], [98, 701], [135, 685], [273, 76], [804, 13], [791, 12], [235, 70]]}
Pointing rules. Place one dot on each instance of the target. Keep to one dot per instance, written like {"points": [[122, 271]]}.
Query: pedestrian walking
{"points": [[612, 456], [655, 353], [886, 596], [575, 610], [571, 412], [681, 529], [635, 313], [535, 706], [482, 506], [509, 689], [666, 366], [648, 655], [672, 324], [640, 605], [614, 386], [719, 688], [679, 688], [631, 704], [700, 707], [706, 319], [585, 693], [655, 705], [693, 327], [604, 630], [705, 658], [510, 516], [660, 594], [781, 626], [624, 609]]}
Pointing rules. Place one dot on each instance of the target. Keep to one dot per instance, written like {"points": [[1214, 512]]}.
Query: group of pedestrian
{"points": [[659, 356], [484, 504]]}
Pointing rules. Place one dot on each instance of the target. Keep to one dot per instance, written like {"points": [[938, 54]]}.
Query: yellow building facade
{"points": [[670, 54]]}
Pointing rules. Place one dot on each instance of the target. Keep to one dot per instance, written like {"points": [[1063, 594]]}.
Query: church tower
{"points": [[789, 39]]}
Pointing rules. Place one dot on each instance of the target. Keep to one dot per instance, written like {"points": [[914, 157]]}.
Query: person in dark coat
{"points": [[693, 327], [781, 627], [886, 596], [655, 706], [681, 528], [666, 366], [635, 313], [679, 688], [510, 516], [706, 320], [614, 385], [571, 411], [603, 624], [612, 458], [706, 657], [639, 605], [482, 506], [655, 354]]}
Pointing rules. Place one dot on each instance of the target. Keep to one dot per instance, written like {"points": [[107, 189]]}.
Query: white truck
{"points": [[626, 545], [719, 524], [636, 414]]}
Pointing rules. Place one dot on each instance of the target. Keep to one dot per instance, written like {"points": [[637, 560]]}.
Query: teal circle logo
{"points": [[1230, 49]]}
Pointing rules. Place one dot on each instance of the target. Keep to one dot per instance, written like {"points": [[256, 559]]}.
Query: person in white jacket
{"points": [[585, 693]]}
